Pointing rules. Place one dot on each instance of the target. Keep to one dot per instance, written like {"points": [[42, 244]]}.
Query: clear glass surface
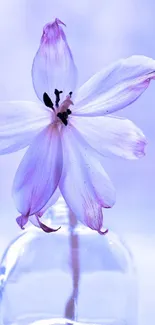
{"points": [[73, 276]]}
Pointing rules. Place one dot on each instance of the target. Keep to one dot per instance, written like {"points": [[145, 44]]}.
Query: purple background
{"points": [[98, 32]]}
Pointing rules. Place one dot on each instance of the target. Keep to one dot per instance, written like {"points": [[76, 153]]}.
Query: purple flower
{"points": [[71, 131]]}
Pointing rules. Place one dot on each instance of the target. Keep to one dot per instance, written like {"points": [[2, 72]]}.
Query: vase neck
{"points": [[59, 213]]}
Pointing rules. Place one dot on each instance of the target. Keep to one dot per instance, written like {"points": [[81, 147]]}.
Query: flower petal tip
{"points": [[59, 22], [140, 148], [103, 232], [48, 229], [36, 222], [52, 32], [22, 221]]}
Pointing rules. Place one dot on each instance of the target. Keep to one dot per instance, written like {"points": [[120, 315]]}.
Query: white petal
{"points": [[19, 124], [84, 184], [39, 172], [53, 65], [115, 87], [112, 135]]}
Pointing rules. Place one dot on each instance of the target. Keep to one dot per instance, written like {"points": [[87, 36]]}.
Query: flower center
{"points": [[64, 111]]}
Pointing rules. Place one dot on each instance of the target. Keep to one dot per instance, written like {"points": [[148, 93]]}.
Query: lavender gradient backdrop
{"points": [[99, 32]]}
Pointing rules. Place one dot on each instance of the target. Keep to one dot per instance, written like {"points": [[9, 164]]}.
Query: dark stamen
{"points": [[47, 101], [69, 111], [57, 94], [63, 117], [70, 94]]}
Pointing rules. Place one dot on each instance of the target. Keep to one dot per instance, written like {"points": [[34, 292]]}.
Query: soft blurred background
{"points": [[98, 32]]}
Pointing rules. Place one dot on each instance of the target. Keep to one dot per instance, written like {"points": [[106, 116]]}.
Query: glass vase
{"points": [[73, 276]]}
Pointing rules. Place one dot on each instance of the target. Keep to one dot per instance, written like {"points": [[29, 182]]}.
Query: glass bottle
{"points": [[74, 276]]}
